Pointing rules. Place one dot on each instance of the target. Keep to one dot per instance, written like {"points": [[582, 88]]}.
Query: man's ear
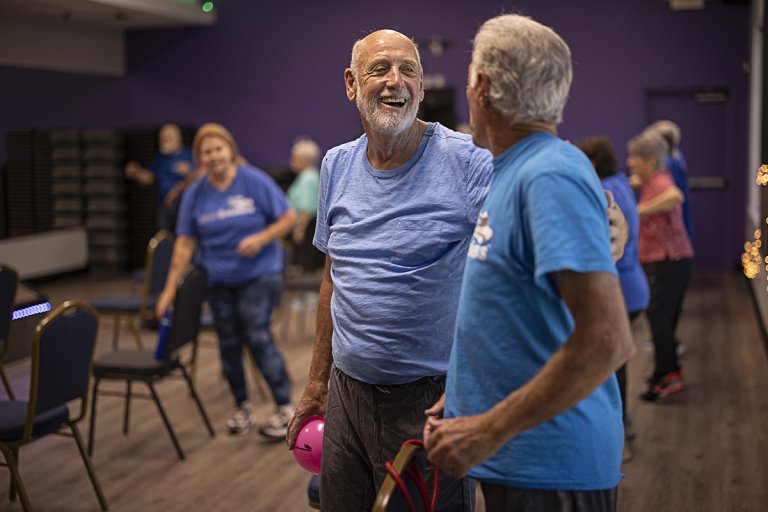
{"points": [[349, 84], [483, 87]]}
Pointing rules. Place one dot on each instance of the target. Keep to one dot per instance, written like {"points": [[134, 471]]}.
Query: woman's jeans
{"points": [[241, 314]]}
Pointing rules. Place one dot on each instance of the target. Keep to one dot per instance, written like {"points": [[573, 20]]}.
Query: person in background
{"points": [[665, 252], [677, 166], [532, 406], [172, 170], [302, 194], [634, 285], [234, 216]]}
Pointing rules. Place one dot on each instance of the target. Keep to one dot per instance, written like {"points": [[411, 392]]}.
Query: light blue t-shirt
{"points": [[398, 241], [634, 284], [302, 194], [219, 220], [545, 212]]}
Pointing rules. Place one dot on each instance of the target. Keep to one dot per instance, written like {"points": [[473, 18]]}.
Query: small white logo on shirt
{"points": [[237, 206], [481, 238]]}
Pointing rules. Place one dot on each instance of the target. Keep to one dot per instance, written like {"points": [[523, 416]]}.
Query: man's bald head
{"points": [[382, 36]]}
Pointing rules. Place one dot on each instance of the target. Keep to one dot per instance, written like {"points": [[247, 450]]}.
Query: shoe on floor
{"points": [[276, 426], [241, 420], [667, 385]]}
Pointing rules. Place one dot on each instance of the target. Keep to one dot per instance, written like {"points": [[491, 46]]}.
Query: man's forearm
{"points": [[322, 356], [601, 343]]}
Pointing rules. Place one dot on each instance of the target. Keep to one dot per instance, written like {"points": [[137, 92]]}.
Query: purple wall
{"points": [[270, 71]]}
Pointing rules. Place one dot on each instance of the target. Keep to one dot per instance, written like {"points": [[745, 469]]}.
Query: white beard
{"points": [[385, 121]]}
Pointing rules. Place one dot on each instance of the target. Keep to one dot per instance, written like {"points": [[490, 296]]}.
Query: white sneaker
{"points": [[276, 426], [241, 421]]}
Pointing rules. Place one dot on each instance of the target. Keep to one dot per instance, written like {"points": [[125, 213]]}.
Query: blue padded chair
{"points": [[142, 365], [137, 307], [62, 352], [9, 282]]}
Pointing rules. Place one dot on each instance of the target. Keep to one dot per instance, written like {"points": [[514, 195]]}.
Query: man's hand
{"points": [[314, 402], [436, 411], [459, 444], [619, 230]]}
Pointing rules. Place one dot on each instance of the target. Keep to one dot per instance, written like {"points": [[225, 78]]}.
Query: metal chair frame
{"points": [[10, 449], [7, 296], [135, 317], [105, 370]]}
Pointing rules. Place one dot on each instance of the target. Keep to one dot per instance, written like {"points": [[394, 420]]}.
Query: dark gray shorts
{"points": [[512, 499], [364, 427]]}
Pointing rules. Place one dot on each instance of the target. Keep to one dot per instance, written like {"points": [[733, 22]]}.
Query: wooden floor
{"points": [[703, 450]]}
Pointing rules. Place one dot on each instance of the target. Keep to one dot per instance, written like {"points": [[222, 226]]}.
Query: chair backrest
{"points": [[62, 352], [9, 281], [186, 309], [159, 253]]}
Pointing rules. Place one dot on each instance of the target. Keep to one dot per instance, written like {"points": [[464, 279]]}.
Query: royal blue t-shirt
{"points": [[634, 284], [679, 170], [219, 220], [545, 212], [171, 169], [398, 241]]}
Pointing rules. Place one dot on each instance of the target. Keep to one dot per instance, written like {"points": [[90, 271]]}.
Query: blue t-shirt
{"points": [[219, 220], [171, 169], [634, 285], [398, 241], [679, 171], [545, 212]]}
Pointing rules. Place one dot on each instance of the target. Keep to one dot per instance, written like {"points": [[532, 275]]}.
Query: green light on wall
{"points": [[207, 6]]}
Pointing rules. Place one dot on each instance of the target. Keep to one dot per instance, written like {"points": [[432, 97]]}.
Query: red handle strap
{"points": [[413, 472]]}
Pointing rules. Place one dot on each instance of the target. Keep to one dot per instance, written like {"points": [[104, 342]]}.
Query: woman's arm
{"points": [[183, 250], [252, 245], [662, 203]]}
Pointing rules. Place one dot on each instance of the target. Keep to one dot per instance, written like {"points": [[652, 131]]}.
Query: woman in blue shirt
{"points": [[234, 217]]}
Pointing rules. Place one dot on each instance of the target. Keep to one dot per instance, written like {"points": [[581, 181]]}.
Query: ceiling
{"points": [[109, 14]]}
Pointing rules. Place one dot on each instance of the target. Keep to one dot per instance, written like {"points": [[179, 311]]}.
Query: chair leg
{"points": [[115, 333], [89, 467], [92, 429], [16, 483], [7, 384], [196, 398], [126, 415], [165, 420], [286, 317], [135, 330]]}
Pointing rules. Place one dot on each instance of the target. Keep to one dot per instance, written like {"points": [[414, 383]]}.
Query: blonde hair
{"points": [[214, 130]]}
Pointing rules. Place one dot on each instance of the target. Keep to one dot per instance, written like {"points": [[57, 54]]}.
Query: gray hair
{"points": [[354, 60], [649, 145], [307, 148], [670, 131], [529, 67]]}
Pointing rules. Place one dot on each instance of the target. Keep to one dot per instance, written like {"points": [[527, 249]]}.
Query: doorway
{"points": [[705, 120]]}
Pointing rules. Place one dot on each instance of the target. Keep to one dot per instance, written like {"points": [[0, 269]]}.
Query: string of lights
{"points": [[750, 259]]}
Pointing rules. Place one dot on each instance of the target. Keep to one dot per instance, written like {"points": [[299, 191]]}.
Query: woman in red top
{"points": [[665, 252]]}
